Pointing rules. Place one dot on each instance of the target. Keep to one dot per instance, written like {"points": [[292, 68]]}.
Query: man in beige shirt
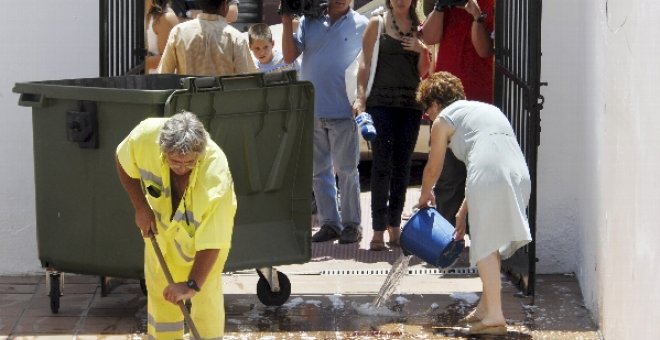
{"points": [[207, 45]]}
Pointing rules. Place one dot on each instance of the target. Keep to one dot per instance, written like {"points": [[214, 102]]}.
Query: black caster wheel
{"points": [[55, 293], [269, 298]]}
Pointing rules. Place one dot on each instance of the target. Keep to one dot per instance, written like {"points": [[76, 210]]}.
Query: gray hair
{"points": [[183, 133]]}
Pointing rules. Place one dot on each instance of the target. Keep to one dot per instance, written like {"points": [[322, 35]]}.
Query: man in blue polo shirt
{"points": [[329, 44]]}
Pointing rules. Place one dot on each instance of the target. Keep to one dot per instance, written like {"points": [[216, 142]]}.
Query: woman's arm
{"points": [[368, 41], [461, 220], [424, 62], [417, 45], [440, 134], [162, 27]]}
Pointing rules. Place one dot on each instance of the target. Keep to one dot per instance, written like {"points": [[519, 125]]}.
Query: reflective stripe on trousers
{"points": [[164, 327]]}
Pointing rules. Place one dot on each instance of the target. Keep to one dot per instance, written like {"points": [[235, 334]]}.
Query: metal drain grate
{"points": [[414, 271]]}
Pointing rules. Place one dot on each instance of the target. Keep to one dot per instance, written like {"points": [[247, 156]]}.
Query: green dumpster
{"points": [[85, 223]]}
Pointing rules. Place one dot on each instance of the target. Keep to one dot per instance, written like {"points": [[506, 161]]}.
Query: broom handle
{"points": [[168, 276]]}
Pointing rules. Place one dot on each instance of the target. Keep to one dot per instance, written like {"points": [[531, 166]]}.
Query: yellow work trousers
{"points": [[165, 320]]}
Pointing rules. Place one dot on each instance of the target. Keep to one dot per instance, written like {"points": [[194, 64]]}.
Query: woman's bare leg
{"points": [[491, 299], [378, 236]]}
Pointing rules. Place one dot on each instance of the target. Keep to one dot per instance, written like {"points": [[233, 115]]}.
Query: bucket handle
{"points": [[31, 100]]}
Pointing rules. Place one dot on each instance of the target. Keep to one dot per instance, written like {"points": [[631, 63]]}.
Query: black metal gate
{"points": [[517, 93], [121, 37]]}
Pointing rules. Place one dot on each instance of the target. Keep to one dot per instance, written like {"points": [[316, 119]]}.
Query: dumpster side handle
{"points": [[31, 99], [205, 82], [191, 85], [167, 110]]}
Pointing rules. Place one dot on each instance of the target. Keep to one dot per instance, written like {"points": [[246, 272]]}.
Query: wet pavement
{"points": [[320, 307], [328, 297]]}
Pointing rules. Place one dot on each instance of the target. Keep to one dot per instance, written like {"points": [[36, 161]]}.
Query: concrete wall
{"points": [[600, 153], [40, 40]]}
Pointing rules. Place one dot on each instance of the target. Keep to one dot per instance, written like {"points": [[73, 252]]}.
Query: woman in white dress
{"points": [[160, 18], [497, 188]]}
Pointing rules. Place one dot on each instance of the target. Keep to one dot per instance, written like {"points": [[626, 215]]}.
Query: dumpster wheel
{"points": [[270, 298], [55, 292]]}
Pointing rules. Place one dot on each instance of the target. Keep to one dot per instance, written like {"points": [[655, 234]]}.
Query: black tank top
{"points": [[396, 78]]}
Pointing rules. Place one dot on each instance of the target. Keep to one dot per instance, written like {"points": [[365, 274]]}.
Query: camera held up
{"points": [[308, 8], [442, 5]]}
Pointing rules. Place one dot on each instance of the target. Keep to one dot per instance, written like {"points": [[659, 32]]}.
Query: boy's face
{"points": [[262, 50]]}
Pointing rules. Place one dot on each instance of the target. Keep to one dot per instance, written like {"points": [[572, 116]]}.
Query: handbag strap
{"points": [[374, 57], [380, 26]]}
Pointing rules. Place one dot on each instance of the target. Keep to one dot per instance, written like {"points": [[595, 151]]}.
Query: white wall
{"points": [[40, 40], [561, 150], [600, 156], [631, 149], [570, 169]]}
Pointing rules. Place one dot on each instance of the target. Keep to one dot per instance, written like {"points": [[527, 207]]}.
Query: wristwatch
{"points": [[193, 285], [481, 18]]}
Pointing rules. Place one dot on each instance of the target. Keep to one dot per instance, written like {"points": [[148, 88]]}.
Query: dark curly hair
{"points": [[443, 88]]}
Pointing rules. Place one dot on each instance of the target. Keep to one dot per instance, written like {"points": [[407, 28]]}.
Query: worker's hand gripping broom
{"points": [[168, 276]]}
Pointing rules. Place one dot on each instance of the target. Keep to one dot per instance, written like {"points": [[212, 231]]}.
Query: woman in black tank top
{"points": [[402, 60]]}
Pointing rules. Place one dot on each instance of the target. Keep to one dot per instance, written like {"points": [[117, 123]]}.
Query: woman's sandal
{"points": [[395, 234], [377, 245], [478, 328], [468, 319]]}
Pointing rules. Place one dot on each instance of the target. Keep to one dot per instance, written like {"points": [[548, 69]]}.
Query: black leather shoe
{"points": [[325, 234], [350, 234]]}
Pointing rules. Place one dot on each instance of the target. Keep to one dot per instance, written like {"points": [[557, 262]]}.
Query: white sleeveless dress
{"points": [[498, 185], [152, 42]]}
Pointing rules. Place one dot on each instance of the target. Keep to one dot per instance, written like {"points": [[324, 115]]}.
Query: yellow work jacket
{"points": [[204, 218]]}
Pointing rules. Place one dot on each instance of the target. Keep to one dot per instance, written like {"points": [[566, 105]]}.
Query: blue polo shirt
{"points": [[328, 49]]}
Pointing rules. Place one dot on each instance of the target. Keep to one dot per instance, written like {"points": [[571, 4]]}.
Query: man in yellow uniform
{"points": [[179, 183]]}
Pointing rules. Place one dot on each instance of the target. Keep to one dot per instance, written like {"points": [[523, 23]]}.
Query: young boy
{"points": [[265, 57]]}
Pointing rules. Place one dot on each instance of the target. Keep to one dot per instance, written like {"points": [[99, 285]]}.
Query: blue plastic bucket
{"points": [[429, 236]]}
